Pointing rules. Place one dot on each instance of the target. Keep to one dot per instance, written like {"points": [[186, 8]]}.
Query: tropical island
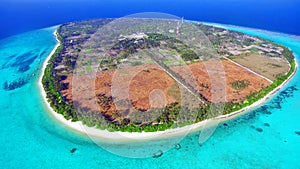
{"points": [[169, 84]]}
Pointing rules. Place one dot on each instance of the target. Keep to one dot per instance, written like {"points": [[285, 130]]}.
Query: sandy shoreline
{"points": [[105, 135]]}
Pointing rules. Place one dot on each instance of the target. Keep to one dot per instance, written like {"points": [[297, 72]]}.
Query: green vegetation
{"points": [[89, 51], [149, 62], [254, 50], [240, 85], [189, 54], [172, 116], [136, 63], [51, 86], [288, 54]]}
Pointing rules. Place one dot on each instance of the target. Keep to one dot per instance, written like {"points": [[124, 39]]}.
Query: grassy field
{"points": [[266, 66]]}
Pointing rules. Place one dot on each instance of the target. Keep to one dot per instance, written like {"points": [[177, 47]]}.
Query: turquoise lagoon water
{"points": [[31, 138]]}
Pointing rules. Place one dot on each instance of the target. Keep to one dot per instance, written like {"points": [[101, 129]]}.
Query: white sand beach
{"points": [[132, 137]]}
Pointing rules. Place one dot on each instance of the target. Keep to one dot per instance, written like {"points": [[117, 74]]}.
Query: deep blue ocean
{"points": [[275, 15], [31, 138]]}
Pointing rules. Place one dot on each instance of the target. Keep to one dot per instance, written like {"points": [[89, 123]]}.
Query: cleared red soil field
{"points": [[232, 73], [149, 86]]}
